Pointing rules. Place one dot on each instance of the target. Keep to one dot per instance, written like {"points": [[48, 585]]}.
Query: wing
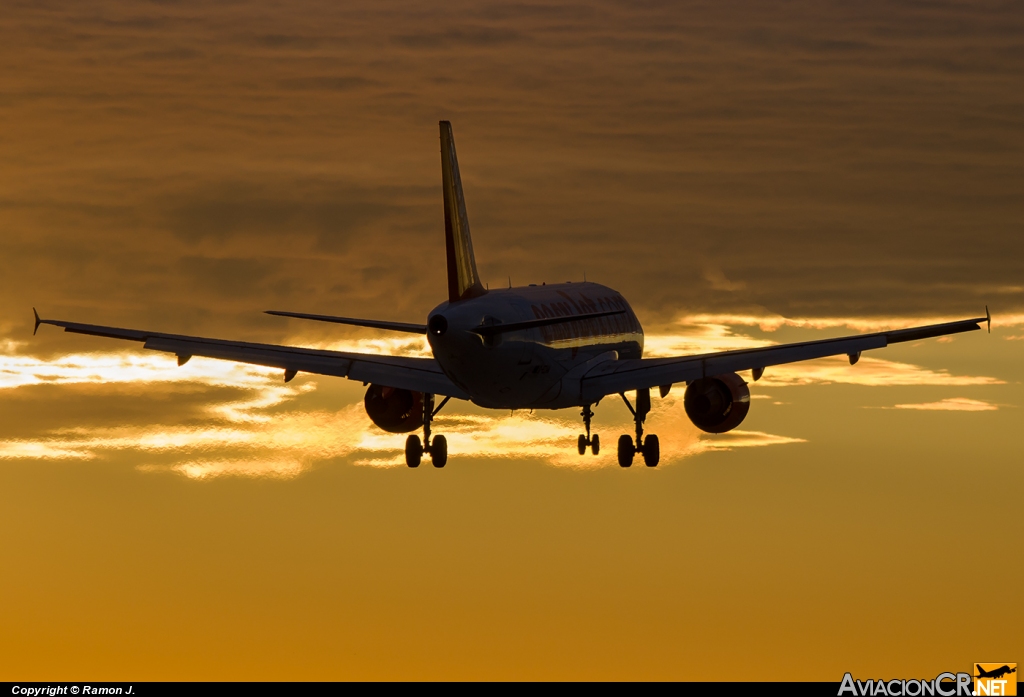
{"points": [[416, 374], [611, 377]]}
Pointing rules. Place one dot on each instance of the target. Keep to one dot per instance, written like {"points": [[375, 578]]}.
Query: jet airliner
{"points": [[552, 346]]}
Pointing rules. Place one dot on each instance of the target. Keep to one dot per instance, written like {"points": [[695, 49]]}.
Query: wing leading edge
{"points": [[416, 374], [614, 376]]}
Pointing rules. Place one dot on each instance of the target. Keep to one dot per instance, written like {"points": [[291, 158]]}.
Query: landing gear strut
{"points": [[437, 447], [649, 447], [593, 442]]}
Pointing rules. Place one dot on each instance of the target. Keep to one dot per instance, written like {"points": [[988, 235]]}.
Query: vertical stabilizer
{"points": [[463, 280]]}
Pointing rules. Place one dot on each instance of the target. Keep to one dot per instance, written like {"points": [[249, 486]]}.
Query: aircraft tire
{"points": [[626, 451], [581, 444], [652, 451], [439, 451], [595, 444], [413, 451]]}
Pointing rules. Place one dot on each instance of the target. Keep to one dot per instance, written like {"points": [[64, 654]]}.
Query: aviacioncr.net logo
{"points": [[943, 685], [995, 679]]}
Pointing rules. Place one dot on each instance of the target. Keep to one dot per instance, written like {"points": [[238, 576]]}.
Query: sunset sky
{"points": [[744, 173]]}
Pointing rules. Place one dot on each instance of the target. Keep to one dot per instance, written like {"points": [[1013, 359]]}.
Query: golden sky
{"points": [[745, 173]]}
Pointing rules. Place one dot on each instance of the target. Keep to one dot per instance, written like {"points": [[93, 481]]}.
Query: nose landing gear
{"points": [[593, 442], [649, 447], [437, 447]]}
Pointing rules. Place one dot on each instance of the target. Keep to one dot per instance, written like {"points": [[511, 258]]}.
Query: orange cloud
{"points": [[285, 445], [772, 322], [268, 431], [241, 438], [873, 372], [707, 333], [950, 404]]}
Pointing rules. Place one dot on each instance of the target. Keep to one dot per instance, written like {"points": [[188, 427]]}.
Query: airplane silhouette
{"points": [[996, 673], [556, 346]]}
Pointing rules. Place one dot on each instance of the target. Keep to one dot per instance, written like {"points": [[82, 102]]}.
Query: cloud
{"points": [[683, 158], [265, 467], [327, 82], [480, 36], [707, 333], [950, 404], [322, 215], [745, 439], [127, 366], [717, 280], [292, 156], [271, 431], [241, 439], [872, 372], [865, 324], [261, 426]]}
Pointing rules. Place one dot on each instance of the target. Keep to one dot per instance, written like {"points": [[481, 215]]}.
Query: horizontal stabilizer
{"points": [[492, 329], [372, 323]]}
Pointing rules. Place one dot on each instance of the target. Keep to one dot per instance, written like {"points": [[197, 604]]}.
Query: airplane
{"points": [[555, 346], [996, 673]]}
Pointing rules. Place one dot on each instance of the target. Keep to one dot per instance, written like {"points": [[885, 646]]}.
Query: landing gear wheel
{"points": [[439, 451], [652, 451], [595, 444], [626, 451], [413, 451], [581, 444]]}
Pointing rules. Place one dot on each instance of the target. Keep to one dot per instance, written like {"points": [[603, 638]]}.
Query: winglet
{"points": [[38, 321], [988, 318]]}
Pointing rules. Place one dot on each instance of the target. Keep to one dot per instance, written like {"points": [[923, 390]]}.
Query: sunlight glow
{"points": [[126, 366], [771, 323], [872, 372], [704, 337], [951, 404], [241, 436], [412, 345], [293, 442]]}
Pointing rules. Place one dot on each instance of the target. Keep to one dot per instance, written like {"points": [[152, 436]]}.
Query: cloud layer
{"points": [[951, 404], [240, 420], [187, 164]]}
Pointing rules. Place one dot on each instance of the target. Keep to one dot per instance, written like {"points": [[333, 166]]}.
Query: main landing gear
{"points": [[437, 447], [593, 442], [649, 447]]}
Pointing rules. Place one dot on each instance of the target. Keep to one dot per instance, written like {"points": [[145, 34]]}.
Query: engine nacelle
{"points": [[717, 404], [394, 410]]}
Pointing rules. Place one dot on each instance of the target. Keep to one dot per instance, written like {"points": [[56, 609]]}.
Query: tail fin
{"points": [[463, 280]]}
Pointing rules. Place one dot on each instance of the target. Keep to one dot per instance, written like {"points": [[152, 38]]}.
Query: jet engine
{"points": [[717, 404], [394, 410]]}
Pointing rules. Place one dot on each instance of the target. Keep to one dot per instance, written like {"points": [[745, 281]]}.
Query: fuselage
{"points": [[526, 368]]}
